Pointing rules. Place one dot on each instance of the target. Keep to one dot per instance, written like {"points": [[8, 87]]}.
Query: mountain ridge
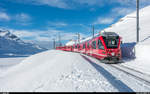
{"points": [[10, 43]]}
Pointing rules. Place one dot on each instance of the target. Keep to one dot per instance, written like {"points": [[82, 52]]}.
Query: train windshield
{"points": [[111, 41]]}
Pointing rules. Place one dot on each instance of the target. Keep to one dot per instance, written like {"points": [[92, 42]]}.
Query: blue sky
{"points": [[42, 20]]}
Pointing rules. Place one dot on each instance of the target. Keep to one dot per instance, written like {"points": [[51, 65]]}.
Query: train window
{"points": [[88, 45], [100, 45], [76, 46], [79, 46], [94, 44], [83, 46], [111, 42]]}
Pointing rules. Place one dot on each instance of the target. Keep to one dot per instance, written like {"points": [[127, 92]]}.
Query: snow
{"points": [[52, 71], [126, 27], [137, 55], [70, 43], [11, 44], [6, 63], [45, 72]]}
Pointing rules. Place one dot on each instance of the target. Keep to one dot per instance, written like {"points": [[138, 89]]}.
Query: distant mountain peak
{"points": [[10, 43]]}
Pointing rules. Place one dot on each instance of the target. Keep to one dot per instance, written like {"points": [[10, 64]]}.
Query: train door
{"points": [[84, 45], [94, 48], [90, 48], [87, 47], [101, 52]]}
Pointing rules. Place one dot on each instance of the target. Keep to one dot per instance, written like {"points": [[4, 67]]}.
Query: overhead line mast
{"points": [[93, 31], [137, 19], [54, 44]]}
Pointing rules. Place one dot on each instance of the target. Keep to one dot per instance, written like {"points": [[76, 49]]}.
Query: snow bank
{"points": [[143, 52], [54, 71]]}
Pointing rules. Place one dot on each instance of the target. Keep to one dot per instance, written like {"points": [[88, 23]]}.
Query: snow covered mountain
{"points": [[11, 44]]}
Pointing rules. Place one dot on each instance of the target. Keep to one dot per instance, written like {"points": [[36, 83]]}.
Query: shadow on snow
{"points": [[13, 56], [122, 87]]}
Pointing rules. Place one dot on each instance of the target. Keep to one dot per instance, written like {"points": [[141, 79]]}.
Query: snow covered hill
{"points": [[11, 44], [52, 71], [126, 27]]}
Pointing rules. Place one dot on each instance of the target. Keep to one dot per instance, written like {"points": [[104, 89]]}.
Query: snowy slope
{"points": [[10, 43], [126, 27], [52, 71], [136, 56]]}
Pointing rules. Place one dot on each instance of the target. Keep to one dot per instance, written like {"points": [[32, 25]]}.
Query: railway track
{"points": [[132, 69], [140, 76], [136, 74]]}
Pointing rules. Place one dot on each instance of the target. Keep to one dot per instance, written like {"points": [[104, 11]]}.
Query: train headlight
{"points": [[113, 54]]}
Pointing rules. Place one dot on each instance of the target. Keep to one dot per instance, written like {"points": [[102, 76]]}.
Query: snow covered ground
{"points": [[65, 71], [136, 55], [10, 61]]}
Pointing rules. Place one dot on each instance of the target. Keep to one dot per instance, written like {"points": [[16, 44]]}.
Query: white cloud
{"points": [[89, 2], [4, 16], [22, 17], [122, 11], [57, 24], [101, 20], [43, 35], [53, 3], [132, 3], [73, 4]]}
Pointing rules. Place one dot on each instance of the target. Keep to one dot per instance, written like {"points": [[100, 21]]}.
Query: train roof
{"points": [[109, 34], [91, 37]]}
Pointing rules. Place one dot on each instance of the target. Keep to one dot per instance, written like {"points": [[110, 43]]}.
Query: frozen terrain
{"points": [[52, 71], [6, 63], [137, 55]]}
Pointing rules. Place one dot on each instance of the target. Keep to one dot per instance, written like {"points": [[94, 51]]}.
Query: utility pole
{"points": [[137, 19], [78, 37], [93, 31], [59, 38], [54, 44]]}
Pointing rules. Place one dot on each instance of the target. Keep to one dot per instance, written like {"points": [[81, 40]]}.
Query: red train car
{"points": [[105, 46]]}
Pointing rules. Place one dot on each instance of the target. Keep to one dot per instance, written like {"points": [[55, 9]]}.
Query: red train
{"points": [[105, 46]]}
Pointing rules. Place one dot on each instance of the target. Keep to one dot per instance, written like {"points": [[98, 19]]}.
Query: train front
{"points": [[112, 47]]}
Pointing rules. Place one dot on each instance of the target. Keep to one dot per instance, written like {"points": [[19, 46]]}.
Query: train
{"points": [[104, 46]]}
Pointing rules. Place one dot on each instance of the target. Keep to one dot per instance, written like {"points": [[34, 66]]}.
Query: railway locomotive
{"points": [[105, 47]]}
